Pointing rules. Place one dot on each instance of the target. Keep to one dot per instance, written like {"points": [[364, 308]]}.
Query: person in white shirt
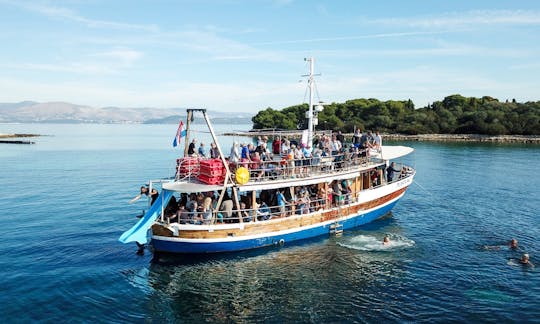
{"points": [[377, 140]]}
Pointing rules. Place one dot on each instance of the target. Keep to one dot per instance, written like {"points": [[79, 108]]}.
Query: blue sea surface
{"points": [[65, 203]]}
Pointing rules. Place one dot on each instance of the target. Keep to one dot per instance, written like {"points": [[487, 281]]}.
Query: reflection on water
{"points": [[314, 281]]}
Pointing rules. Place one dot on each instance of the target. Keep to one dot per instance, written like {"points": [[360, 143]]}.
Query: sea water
{"points": [[65, 203]]}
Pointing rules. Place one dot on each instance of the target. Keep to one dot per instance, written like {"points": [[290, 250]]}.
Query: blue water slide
{"points": [[138, 232]]}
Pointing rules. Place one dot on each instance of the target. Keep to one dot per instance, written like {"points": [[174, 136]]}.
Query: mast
{"points": [[311, 86]]}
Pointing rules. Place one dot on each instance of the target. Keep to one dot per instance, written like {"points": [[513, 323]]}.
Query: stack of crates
{"points": [[212, 171], [187, 166]]}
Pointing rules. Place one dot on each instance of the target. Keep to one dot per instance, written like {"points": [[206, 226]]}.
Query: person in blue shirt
{"points": [[282, 203], [202, 150], [263, 212], [245, 158]]}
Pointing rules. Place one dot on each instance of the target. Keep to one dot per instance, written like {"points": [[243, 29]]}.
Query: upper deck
{"points": [[196, 174]]}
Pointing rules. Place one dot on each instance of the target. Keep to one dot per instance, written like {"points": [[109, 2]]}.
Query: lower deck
{"points": [[189, 238]]}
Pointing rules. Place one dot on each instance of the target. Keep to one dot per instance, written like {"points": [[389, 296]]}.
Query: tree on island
{"points": [[455, 114]]}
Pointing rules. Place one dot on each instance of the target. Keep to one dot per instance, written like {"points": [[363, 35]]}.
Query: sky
{"points": [[245, 56]]}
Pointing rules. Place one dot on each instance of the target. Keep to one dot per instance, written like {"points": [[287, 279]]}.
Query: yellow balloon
{"points": [[242, 175]]}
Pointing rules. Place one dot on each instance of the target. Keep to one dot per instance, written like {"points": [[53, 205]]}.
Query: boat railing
{"points": [[274, 167], [304, 201], [304, 204], [279, 167]]}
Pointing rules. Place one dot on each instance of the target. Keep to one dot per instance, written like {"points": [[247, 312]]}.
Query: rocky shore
{"points": [[465, 138], [522, 139]]}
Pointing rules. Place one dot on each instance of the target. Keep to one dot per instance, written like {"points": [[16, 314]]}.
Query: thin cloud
{"points": [[79, 68], [125, 56], [467, 19], [67, 14], [448, 49], [347, 38]]}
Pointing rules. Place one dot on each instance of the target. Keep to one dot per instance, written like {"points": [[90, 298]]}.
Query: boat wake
{"points": [[374, 243]]}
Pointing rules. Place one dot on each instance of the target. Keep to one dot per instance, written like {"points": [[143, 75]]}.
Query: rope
{"points": [[416, 182]]}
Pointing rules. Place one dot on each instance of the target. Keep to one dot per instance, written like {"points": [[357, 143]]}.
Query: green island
{"points": [[482, 118]]}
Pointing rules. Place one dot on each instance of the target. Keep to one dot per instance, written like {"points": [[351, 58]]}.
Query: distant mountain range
{"points": [[63, 112]]}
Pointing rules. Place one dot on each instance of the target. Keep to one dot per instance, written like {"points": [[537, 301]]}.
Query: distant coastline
{"points": [[532, 139], [18, 135]]}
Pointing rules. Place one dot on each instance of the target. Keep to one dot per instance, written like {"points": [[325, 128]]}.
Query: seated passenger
{"points": [[226, 208], [263, 212], [172, 207], [182, 215], [197, 217], [246, 217], [207, 208]]}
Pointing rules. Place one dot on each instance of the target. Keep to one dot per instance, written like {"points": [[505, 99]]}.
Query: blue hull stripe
{"points": [[204, 247]]}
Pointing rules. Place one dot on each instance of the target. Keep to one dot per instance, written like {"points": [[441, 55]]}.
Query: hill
{"points": [[63, 112]]}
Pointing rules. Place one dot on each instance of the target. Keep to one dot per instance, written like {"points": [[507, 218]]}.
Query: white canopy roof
{"points": [[190, 187], [393, 152]]}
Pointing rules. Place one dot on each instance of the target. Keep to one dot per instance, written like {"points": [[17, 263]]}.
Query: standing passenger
{"points": [[202, 150], [282, 203], [276, 146], [191, 148], [214, 153], [234, 157], [377, 141], [390, 172]]}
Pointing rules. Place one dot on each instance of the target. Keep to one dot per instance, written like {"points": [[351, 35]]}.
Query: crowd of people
{"points": [[290, 158], [203, 209], [282, 157], [285, 158]]}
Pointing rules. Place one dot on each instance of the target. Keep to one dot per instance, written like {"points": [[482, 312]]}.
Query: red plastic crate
{"points": [[211, 172], [210, 180], [188, 161], [212, 163]]}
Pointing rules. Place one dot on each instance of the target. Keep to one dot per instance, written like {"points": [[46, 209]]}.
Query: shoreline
{"points": [[521, 139], [524, 139]]}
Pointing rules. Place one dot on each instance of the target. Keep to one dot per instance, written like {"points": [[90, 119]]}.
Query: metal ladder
{"points": [[337, 228]]}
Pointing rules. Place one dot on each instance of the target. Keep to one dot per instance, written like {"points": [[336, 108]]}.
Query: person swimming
{"points": [[514, 244], [525, 260], [386, 240]]}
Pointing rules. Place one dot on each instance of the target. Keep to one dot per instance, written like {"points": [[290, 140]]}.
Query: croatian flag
{"points": [[179, 134]]}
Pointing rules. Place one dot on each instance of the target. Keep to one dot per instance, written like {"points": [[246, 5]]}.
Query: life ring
{"points": [[281, 242], [242, 175]]}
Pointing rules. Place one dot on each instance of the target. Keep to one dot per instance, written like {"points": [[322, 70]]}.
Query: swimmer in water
{"points": [[525, 260], [514, 244], [386, 240]]}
